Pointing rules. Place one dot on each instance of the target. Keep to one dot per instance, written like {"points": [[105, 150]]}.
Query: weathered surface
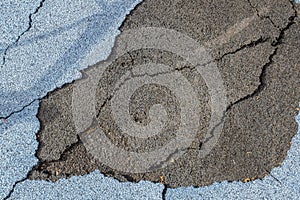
{"points": [[260, 68]]}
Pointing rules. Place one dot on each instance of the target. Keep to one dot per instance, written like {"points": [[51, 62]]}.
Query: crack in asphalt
{"points": [[262, 78], [164, 192], [262, 17], [251, 44], [256, 92], [13, 189], [15, 43], [254, 43]]}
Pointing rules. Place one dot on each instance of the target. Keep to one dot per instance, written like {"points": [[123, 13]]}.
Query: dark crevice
{"points": [[261, 86], [252, 6], [129, 178], [18, 111], [257, 91], [276, 179], [103, 105], [294, 8], [249, 45], [5, 119], [279, 39], [15, 43], [164, 192], [13, 188]]}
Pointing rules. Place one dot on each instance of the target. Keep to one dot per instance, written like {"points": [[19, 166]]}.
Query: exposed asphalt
{"points": [[257, 124], [259, 65]]}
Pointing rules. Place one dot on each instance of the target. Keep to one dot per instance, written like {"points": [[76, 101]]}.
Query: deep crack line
{"points": [[5, 118], [262, 78], [13, 188], [254, 43], [262, 81], [15, 43], [164, 192], [18, 111]]}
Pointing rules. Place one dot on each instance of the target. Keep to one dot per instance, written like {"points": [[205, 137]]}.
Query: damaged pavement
{"points": [[260, 69]]}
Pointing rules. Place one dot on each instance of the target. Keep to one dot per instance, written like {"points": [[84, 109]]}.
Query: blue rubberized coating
{"points": [[18, 144], [268, 188], [14, 20], [62, 40], [92, 186]]}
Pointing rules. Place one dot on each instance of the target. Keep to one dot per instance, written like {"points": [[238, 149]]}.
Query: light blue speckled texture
{"points": [[92, 186], [51, 53], [18, 144], [14, 20]]}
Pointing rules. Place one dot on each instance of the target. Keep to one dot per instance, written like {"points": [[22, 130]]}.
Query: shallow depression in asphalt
{"points": [[257, 127]]}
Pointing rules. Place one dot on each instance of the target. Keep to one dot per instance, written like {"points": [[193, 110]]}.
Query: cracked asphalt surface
{"points": [[250, 145], [260, 68]]}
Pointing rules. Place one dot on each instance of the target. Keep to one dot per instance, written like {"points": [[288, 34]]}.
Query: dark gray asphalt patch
{"points": [[260, 68]]}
